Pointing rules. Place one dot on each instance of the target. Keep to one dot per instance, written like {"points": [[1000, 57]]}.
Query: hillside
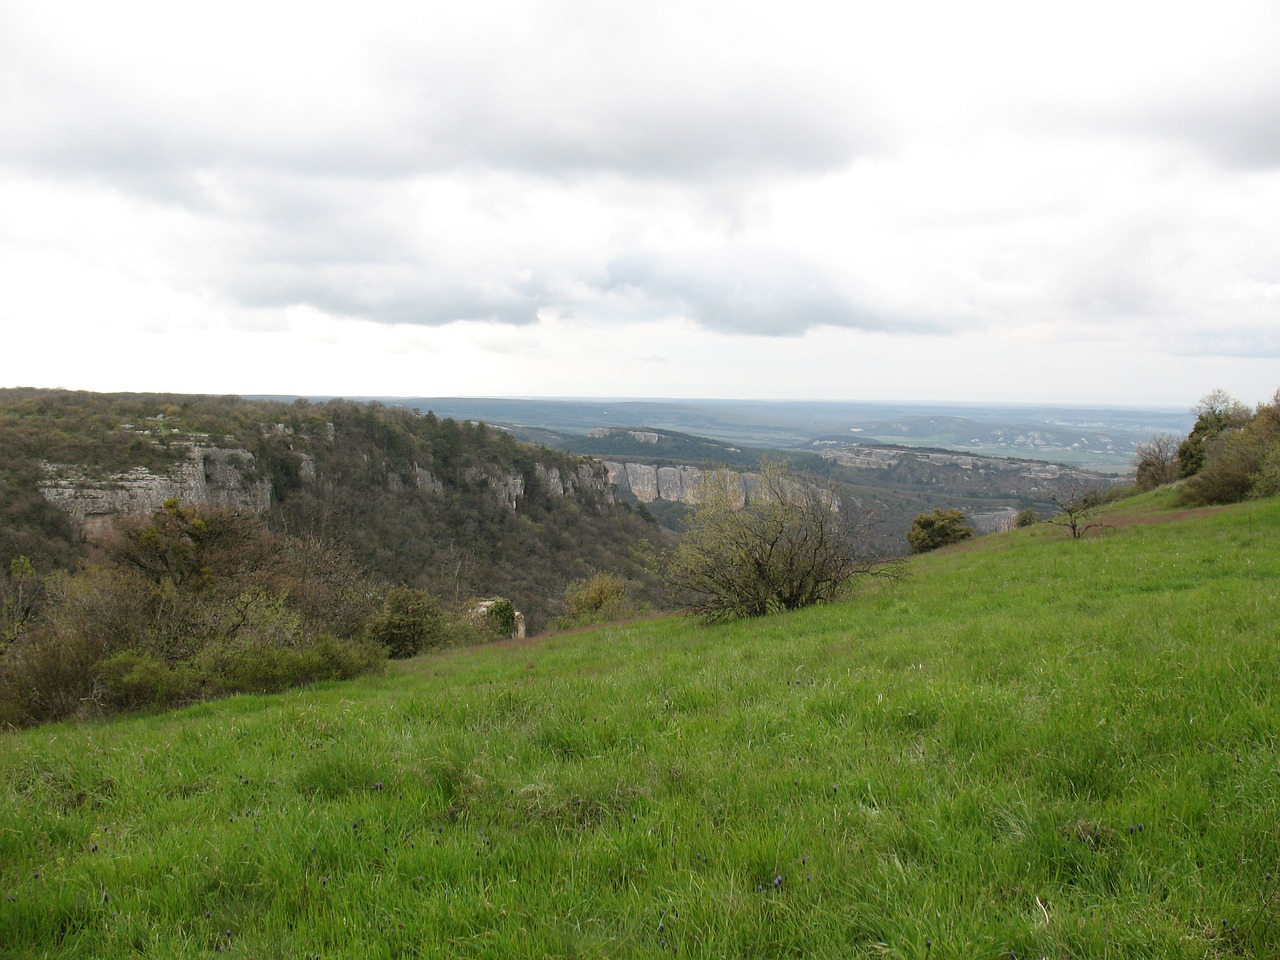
{"points": [[1032, 747], [1091, 438], [454, 507]]}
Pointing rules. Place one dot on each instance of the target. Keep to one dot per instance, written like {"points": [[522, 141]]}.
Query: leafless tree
{"points": [[1078, 504], [791, 544], [1156, 462]]}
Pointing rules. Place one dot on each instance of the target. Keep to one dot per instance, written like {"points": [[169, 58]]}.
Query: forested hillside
{"points": [[457, 508]]}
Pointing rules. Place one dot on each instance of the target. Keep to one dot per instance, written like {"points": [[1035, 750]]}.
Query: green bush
{"points": [[1027, 518], [248, 667], [604, 598], [409, 622], [49, 676], [496, 616], [343, 659], [1216, 413], [929, 531], [788, 545], [1240, 460], [1267, 481], [131, 680]]}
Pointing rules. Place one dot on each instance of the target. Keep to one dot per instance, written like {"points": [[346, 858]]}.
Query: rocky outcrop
{"points": [[998, 521], [207, 476], [508, 487], [587, 482], [682, 484], [679, 484]]}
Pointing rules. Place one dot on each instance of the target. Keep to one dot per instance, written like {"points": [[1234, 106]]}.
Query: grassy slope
{"points": [[1033, 747]]}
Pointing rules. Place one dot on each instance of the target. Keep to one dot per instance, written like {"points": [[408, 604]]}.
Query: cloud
{"points": [[936, 172], [754, 291], [1238, 128], [409, 95]]}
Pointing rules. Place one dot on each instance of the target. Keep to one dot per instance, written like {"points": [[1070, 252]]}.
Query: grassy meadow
{"points": [[1031, 747]]}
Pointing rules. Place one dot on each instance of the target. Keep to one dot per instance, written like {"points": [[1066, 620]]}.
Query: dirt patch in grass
{"points": [[1163, 517]]}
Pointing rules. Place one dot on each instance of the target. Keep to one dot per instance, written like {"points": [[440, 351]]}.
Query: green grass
{"points": [[1033, 747]]}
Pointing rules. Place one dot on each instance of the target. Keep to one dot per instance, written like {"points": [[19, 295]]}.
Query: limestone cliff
{"points": [[648, 483], [207, 476], [586, 481]]}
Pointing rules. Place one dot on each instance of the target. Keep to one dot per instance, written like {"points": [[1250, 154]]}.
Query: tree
{"points": [[20, 595], [1241, 460], [409, 622], [1026, 518], [929, 531], [1216, 413], [1156, 462], [200, 549], [1078, 504], [776, 543]]}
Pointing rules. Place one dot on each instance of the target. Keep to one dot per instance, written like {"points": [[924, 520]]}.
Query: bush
{"points": [[789, 545], [604, 598], [1026, 518], [1078, 504], [1267, 481], [1239, 461], [131, 680], [495, 618], [409, 622], [1216, 413], [193, 604], [929, 531]]}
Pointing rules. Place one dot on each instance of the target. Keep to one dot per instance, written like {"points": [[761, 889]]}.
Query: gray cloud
{"points": [[1240, 129], [430, 107], [756, 291]]}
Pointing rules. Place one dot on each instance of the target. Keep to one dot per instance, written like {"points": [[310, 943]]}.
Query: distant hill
{"points": [[1097, 438], [452, 506]]}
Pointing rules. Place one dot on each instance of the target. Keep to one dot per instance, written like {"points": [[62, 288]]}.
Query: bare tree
{"points": [[1078, 504], [1156, 462], [786, 544], [21, 593]]}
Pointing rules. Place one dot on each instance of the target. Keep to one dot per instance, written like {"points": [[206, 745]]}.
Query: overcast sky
{"points": [[933, 200]]}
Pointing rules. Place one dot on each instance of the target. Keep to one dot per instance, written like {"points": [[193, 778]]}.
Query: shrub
{"points": [[1026, 518], [409, 622], [929, 531], [21, 592], [1267, 481], [46, 676], [789, 545], [1216, 413], [494, 617], [131, 680], [1078, 504], [343, 659], [1240, 460], [240, 666], [604, 598]]}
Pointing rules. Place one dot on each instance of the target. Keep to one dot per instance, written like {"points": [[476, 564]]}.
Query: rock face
{"points": [[673, 484], [588, 481], [228, 478], [998, 521], [208, 476]]}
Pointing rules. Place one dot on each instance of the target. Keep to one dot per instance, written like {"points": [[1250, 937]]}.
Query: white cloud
{"points": [[537, 194]]}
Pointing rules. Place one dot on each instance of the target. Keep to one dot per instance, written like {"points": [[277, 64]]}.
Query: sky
{"points": [[859, 201]]}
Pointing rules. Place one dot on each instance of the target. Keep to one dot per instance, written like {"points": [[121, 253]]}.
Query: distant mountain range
{"points": [[1095, 438]]}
